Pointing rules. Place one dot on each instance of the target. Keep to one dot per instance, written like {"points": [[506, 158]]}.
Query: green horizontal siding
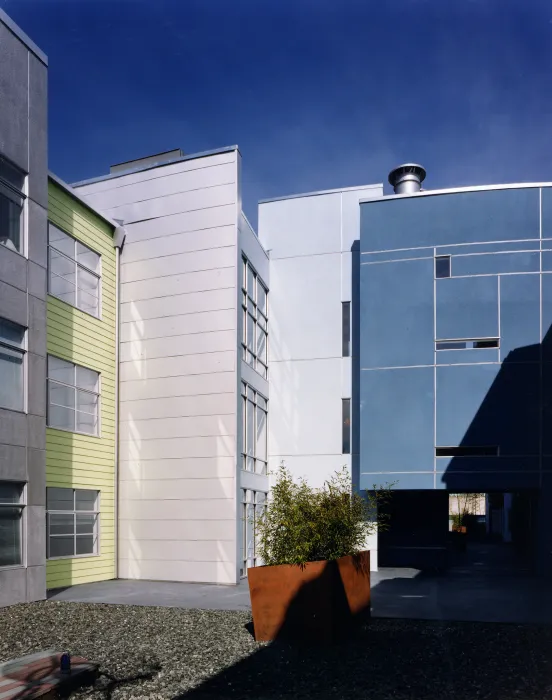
{"points": [[84, 461]]}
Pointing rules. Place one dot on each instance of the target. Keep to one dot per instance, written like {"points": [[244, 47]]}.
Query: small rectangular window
{"points": [[11, 510], [72, 521], [442, 266], [467, 451], [466, 344], [487, 343], [346, 329], [450, 345], [346, 426], [12, 353]]}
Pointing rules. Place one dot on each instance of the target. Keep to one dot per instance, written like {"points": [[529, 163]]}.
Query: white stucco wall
{"points": [[178, 368], [309, 241]]}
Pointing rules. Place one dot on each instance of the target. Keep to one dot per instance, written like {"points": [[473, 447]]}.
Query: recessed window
{"points": [[72, 522], [254, 320], [467, 451], [73, 271], [472, 344], [73, 397], [442, 266], [12, 355], [254, 430], [12, 200], [346, 426], [11, 511], [253, 505], [346, 328], [488, 343]]}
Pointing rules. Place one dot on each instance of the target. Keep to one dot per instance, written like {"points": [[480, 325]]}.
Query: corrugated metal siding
{"points": [[81, 461]]}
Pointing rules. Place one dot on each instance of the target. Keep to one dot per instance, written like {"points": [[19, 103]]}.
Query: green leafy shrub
{"points": [[301, 523]]}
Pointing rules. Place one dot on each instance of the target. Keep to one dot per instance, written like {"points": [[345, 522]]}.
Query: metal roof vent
{"points": [[407, 178]]}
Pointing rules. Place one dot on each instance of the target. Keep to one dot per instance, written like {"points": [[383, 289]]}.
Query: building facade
{"points": [[193, 366], [23, 217], [81, 380], [455, 314]]}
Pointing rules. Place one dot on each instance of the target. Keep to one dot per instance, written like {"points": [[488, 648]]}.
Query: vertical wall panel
{"points": [[467, 307], [520, 317]]}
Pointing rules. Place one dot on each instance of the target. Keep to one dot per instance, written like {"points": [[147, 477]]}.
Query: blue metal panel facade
{"points": [[415, 398]]}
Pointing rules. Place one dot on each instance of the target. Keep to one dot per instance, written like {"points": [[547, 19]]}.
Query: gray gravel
{"points": [[168, 653]]}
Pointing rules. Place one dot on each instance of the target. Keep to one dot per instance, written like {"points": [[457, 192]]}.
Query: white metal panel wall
{"points": [[309, 240], [178, 371]]}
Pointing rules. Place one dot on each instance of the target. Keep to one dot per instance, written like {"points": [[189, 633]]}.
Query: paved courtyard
{"points": [[480, 589]]}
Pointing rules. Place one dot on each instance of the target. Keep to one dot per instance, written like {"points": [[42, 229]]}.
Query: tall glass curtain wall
{"points": [[456, 340]]}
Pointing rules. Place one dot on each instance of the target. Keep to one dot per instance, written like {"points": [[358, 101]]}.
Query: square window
{"points": [[72, 522], [73, 397]]}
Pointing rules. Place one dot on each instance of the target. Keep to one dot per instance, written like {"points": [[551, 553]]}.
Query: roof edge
{"points": [[131, 171], [457, 190], [58, 181], [317, 193], [20, 34]]}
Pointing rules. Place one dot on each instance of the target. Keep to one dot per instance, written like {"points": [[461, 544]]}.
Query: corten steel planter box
{"points": [[317, 603]]}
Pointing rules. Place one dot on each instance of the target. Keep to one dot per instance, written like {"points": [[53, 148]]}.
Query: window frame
{"points": [[76, 388], [250, 497], [449, 270], [96, 534], [11, 190], [22, 505], [23, 351], [251, 396], [96, 273], [253, 314]]}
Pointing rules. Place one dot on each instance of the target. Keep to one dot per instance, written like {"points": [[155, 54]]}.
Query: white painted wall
{"points": [[309, 240], [178, 372]]}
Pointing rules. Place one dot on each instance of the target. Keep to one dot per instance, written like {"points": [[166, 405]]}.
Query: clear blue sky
{"points": [[317, 93]]}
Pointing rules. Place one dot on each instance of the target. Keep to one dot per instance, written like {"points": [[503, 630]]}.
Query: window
{"points": [[12, 200], [346, 427], [255, 321], [467, 344], [346, 328], [254, 430], [73, 397], [11, 511], [74, 271], [442, 266], [253, 505], [467, 451], [72, 522], [12, 354]]}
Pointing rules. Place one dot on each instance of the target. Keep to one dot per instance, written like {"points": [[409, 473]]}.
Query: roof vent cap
{"points": [[407, 178]]}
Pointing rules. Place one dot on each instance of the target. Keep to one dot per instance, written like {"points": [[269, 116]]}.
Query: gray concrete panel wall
{"points": [[23, 142]]}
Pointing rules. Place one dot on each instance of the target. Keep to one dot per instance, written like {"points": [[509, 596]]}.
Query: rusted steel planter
{"points": [[317, 603]]}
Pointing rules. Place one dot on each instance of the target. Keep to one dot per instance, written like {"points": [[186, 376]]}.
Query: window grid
{"points": [[68, 283], [80, 415], [255, 320], [253, 506], [254, 431], [12, 358], [12, 505], [79, 517]]}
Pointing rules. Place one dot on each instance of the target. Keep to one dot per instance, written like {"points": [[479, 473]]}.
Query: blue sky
{"points": [[318, 94]]}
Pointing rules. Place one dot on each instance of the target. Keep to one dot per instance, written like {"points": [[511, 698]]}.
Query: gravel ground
{"points": [[167, 653]]}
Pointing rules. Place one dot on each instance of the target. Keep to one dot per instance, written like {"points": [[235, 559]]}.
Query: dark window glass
{"points": [[346, 328], [450, 345], [346, 413], [489, 343], [467, 451], [442, 266]]}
